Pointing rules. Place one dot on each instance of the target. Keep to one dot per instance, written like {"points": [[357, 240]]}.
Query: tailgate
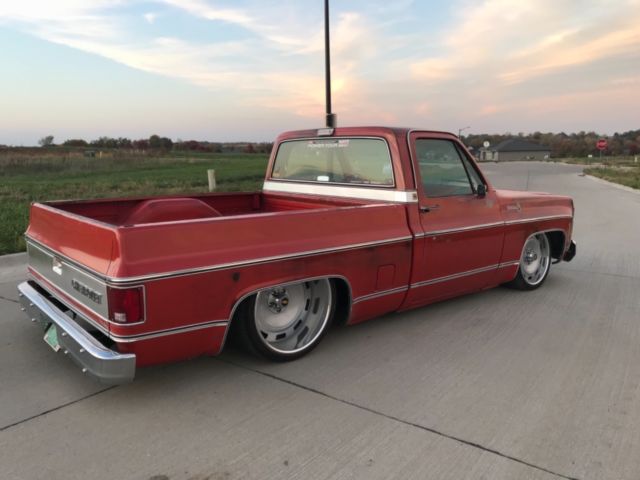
{"points": [[73, 253]]}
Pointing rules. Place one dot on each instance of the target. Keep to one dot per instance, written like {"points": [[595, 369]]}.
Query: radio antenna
{"points": [[331, 117]]}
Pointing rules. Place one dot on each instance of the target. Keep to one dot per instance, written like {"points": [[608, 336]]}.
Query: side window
{"points": [[441, 168], [473, 173]]}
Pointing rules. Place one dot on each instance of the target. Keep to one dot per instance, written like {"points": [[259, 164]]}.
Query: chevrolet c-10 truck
{"points": [[351, 223]]}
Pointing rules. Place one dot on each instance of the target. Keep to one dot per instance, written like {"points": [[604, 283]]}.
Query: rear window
{"points": [[360, 161]]}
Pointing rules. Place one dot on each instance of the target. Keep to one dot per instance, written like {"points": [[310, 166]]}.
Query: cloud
{"points": [[279, 68], [478, 60], [205, 10], [499, 57], [150, 17]]}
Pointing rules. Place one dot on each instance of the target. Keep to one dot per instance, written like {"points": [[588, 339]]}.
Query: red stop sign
{"points": [[602, 144]]}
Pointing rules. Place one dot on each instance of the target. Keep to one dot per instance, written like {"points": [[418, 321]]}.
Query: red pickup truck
{"points": [[351, 223]]}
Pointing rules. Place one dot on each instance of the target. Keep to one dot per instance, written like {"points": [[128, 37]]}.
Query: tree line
{"points": [[159, 144], [579, 144]]}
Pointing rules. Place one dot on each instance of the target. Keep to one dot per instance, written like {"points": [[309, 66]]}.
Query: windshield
{"points": [[362, 161]]}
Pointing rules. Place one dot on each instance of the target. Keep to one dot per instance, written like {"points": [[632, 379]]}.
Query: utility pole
{"points": [[331, 117], [460, 130]]}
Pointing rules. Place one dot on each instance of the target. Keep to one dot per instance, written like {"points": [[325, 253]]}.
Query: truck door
{"points": [[463, 231]]}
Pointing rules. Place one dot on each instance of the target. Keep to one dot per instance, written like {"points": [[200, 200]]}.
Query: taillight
{"points": [[126, 305]]}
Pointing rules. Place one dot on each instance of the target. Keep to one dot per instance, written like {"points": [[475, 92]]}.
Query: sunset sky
{"points": [[248, 69]]}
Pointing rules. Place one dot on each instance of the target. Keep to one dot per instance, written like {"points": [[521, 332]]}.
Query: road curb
{"points": [[613, 184]]}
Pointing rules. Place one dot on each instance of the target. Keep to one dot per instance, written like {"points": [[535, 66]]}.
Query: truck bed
{"points": [[137, 211], [120, 238]]}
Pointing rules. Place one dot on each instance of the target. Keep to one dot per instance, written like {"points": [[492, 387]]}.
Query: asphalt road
{"points": [[497, 385]]}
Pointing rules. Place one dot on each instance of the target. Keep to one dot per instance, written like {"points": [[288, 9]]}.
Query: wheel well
{"points": [[556, 240], [343, 301], [342, 308], [342, 311]]}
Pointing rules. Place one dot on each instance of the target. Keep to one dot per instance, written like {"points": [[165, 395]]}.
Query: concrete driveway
{"points": [[497, 385]]}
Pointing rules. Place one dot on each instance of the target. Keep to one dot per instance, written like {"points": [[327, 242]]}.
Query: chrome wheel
{"points": [[290, 319], [535, 260]]}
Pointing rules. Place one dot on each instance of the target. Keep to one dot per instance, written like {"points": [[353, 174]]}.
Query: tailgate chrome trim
{"points": [[95, 359]]}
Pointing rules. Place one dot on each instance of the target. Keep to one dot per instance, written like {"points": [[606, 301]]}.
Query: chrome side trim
{"points": [[382, 293], [257, 261], [454, 276], [461, 229], [489, 225], [536, 219], [512, 263], [225, 266], [169, 331], [467, 273], [361, 193]]}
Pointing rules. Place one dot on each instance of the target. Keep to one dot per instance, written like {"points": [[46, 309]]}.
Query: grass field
{"points": [[29, 177], [628, 176], [622, 170], [37, 175]]}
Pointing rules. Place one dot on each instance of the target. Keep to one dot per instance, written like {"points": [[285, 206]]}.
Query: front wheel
{"points": [[534, 263], [286, 322]]}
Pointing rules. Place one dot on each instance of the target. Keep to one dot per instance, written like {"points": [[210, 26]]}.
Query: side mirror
{"points": [[481, 190]]}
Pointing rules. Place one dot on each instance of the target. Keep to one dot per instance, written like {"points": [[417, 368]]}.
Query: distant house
{"points": [[515, 149]]}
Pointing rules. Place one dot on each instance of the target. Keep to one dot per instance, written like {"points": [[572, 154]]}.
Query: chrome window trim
{"points": [[355, 137], [337, 190], [470, 193], [474, 164]]}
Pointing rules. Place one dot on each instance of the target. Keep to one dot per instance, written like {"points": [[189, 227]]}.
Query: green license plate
{"points": [[51, 337]]}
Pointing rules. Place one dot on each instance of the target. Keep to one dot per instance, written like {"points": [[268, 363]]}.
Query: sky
{"points": [[223, 70]]}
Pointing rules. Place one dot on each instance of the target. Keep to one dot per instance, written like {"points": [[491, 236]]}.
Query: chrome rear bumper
{"points": [[95, 359]]}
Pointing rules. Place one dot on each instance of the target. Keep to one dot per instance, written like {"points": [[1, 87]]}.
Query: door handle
{"points": [[428, 208]]}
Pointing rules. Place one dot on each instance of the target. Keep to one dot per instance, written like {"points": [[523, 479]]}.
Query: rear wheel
{"points": [[535, 263], [288, 321]]}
